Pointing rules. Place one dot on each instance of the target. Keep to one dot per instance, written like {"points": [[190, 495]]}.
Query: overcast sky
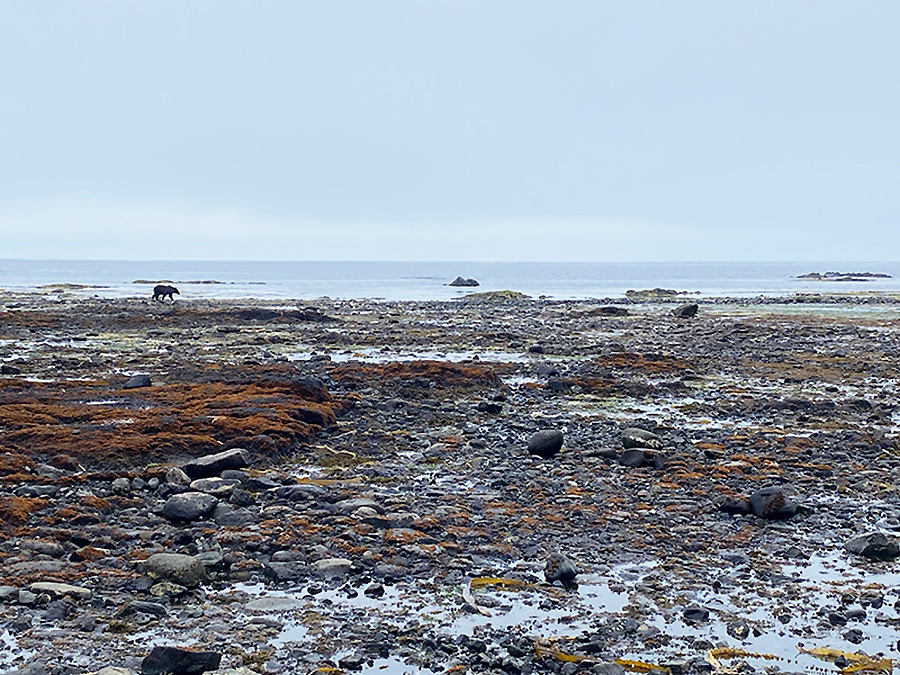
{"points": [[450, 129]]}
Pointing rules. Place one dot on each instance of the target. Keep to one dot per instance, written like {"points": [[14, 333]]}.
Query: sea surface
{"points": [[429, 280]]}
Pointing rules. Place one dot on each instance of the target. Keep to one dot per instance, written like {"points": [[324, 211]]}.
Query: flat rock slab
{"points": [[264, 605], [61, 590], [332, 567], [213, 465]]}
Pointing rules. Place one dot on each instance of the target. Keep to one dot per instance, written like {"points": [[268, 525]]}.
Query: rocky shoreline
{"points": [[378, 487]]}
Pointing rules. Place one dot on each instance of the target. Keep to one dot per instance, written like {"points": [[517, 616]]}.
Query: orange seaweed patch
{"points": [[159, 423], [647, 363], [14, 510], [425, 373]]}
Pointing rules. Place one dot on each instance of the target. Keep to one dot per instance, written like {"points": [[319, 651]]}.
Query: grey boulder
{"points": [[177, 568], [873, 545], [188, 506]]}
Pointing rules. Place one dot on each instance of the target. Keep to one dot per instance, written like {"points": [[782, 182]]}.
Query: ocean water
{"points": [[428, 280]]}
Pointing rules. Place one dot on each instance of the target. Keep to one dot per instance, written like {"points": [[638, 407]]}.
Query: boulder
{"points": [[545, 443], [634, 437], [213, 465], [179, 661], [559, 568], [686, 311], [188, 506], [873, 545], [773, 503], [177, 568], [460, 281], [137, 381]]}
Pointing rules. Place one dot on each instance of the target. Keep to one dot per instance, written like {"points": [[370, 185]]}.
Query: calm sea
{"points": [[428, 280]]}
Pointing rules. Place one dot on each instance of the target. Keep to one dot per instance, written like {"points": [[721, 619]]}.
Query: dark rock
{"points": [[640, 438], [188, 506], [546, 443], [7, 369], [536, 349], [374, 590], [286, 571], [636, 458], [213, 465], [489, 407], [873, 545], [179, 661], [142, 607], [736, 506], [773, 503], [610, 310], [739, 630], [560, 568], [352, 662], [686, 311], [460, 281], [696, 614], [137, 381]]}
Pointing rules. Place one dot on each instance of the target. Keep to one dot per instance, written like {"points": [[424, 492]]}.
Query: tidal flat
{"points": [[251, 486]]}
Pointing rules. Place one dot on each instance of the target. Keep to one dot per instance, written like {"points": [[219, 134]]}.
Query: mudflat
{"points": [[379, 487]]}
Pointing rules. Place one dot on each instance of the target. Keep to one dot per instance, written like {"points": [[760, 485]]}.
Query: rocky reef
{"points": [[513, 486]]}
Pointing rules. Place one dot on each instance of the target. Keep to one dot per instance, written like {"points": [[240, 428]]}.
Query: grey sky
{"points": [[450, 129]]}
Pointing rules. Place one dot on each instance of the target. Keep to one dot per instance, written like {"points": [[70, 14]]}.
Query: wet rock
{"points": [[636, 458], [739, 630], [608, 668], [873, 545], [545, 443], [7, 369], [9, 594], [489, 407], [854, 636], [213, 465], [560, 568], [143, 607], [188, 506], [735, 506], [137, 381], [634, 437], [286, 571], [179, 661], [696, 614], [354, 661], [55, 590], [332, 567], [374, 591], [177, 568], [686, 311], [773, 503]]}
